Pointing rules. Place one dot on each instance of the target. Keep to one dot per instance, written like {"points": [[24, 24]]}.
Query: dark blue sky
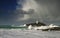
{"points": [[6, 10], [8, 4]]}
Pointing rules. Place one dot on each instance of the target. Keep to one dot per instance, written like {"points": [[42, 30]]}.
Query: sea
{"points": [[19, 33]]}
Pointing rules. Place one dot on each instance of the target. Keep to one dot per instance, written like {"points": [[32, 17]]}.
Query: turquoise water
{"points": [[11, 27]]}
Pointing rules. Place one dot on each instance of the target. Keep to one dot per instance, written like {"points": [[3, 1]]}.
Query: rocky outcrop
{"points": [[36, 24]]}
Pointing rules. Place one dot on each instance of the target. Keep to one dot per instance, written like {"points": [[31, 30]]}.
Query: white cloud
{"points": [[29, 4], [43, 10]]}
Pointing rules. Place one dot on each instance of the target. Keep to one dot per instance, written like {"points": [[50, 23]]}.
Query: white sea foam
{"points": [[17, 33]]}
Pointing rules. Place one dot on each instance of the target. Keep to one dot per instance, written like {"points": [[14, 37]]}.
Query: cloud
{"points": [[25, 17], [42, 10], [48, 9], [29, 4]]}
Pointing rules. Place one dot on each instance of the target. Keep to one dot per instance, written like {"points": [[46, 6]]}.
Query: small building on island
{"points": [[35, 25]]}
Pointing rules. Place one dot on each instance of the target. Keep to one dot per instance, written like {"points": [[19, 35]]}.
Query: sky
{"points": [[26, 11]]}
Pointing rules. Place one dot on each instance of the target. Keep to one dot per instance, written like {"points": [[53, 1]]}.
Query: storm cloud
{"points": [[42, 10]]}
